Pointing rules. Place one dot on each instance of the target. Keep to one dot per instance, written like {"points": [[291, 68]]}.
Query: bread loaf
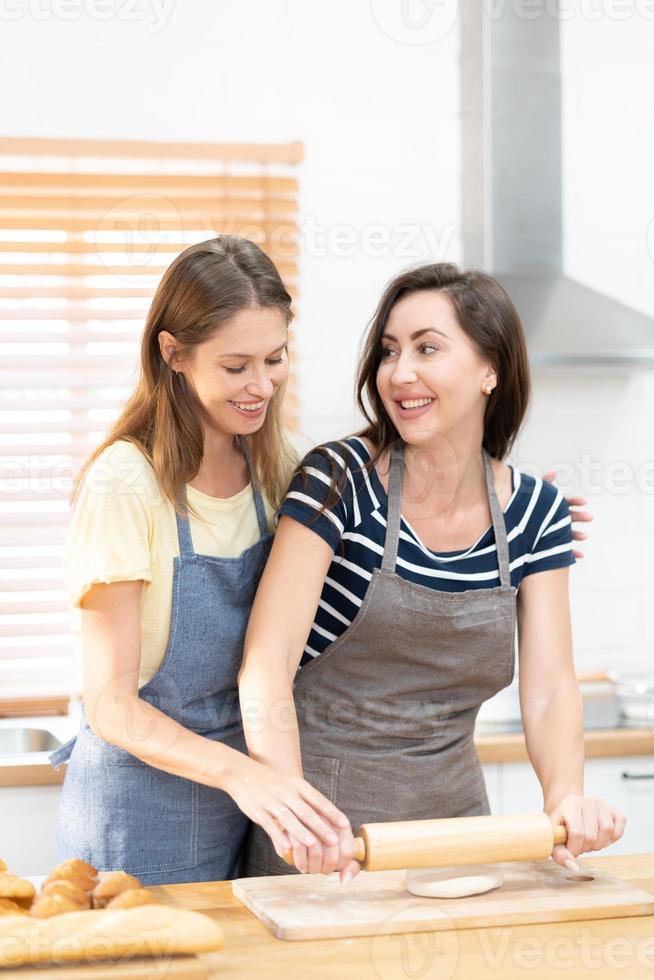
{"points": [[151, 930]]}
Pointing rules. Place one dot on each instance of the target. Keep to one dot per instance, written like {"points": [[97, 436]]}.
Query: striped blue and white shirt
{"points": [[537, 520]]}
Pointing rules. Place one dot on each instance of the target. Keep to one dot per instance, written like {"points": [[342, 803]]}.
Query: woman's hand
{"points": [[578, 516], [294, 815], [321, 859], [592, 825]]}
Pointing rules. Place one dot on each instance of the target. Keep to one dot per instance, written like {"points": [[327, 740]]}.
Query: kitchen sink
{"points": [[23, 740]]}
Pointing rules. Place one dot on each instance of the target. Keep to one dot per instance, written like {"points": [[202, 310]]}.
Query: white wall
{"points": [[378, 119]]}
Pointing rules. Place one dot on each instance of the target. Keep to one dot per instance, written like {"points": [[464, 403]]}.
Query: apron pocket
{"points": [[260, 857], [142, 820], [322, 772]]}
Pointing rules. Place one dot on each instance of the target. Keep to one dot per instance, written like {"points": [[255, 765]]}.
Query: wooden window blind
{"points": [[86, 230]]}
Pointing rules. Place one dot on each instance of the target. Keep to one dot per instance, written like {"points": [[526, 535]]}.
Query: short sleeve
{"points": [[322, 478], [552, 547], [108, 539]]}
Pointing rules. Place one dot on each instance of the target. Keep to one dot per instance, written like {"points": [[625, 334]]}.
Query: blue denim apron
{"points": [[118, 812]]}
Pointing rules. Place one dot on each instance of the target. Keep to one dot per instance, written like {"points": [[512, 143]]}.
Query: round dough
{"points": [[471, 879]]}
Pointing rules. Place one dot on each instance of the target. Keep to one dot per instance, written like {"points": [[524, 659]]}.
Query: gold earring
{"points": [[488, 390]]}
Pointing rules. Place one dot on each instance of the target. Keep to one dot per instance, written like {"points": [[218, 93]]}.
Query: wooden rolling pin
{"points": [[453, 841]]}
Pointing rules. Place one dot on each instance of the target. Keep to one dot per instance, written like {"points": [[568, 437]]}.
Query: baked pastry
{"points": [[112, 883], [152, 930], [18, 889], [46, 906], [80, 872], [70, 890], [3, 865], [9, 907], [132, 897]]}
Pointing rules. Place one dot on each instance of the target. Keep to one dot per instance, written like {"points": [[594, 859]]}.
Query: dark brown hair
{"points": [[486, 314], [202, 288]]}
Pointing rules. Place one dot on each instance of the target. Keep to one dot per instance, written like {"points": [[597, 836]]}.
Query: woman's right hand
{"points": [[295, 816]]}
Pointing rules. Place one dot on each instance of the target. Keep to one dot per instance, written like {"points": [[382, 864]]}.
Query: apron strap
{"points": [[256, 492], [184, 525], [394, 514], [499, 525]]}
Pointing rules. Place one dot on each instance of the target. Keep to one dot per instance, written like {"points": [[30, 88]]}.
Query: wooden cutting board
{"points": [[376, 902], [143, 968]]}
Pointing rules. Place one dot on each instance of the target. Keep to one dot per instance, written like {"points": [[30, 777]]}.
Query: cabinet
{"points": [[28, 828]]}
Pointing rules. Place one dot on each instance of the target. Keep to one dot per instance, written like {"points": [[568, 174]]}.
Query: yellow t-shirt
{"points": [[123, 529]]}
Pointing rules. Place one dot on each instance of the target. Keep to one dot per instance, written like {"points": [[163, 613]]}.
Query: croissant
{"points": [[70, 890], [48, 905], [18, 889], [9, 907], [80, 872], [132, 897], [3, 865], [111, 884]]}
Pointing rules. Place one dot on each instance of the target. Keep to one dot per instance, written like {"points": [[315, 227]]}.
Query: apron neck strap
{"points": [[256, 492], [184, 525], [394, 515], [499, 525]]}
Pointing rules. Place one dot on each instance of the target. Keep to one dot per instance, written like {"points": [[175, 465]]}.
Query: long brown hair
{"points": [[486, 314], [203, 287]]}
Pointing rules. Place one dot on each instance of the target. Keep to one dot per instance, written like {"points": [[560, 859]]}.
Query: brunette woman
{"points": [[404, 556]]}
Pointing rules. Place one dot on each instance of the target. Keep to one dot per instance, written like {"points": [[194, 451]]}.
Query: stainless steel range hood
{"points": [[512, 189]]}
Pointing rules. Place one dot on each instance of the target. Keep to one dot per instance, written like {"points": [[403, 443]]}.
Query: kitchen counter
{"points": [[497, 739], [599, 948], [598, 744], [498, 747]]}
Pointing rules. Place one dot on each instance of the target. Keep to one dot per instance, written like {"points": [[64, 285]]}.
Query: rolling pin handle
{"points": [[559, 834], [359, 852]]}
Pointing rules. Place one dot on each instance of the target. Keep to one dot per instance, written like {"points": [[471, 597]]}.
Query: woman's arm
{"points": [[552, 716], [281, 618], [111, 642]]}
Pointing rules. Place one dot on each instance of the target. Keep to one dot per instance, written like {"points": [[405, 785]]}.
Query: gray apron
{"points": [[386, 714], [117, 811]]}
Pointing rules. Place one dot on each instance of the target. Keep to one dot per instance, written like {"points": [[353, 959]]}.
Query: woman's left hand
{"points": [[592, 825], [578, 516]]}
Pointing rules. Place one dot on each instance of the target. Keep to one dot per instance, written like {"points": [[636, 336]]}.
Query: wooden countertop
{"points": [[501, 747], [598, 948], [599, 744]]}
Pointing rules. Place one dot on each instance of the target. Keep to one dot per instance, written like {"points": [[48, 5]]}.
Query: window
{"points": [[86, 229]]}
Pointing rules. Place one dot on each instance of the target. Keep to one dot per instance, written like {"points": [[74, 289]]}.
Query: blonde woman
{"points": [[170, 534]]}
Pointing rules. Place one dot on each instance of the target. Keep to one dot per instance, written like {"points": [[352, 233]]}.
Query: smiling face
{"points": [[431, 377], [237, 370]]}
